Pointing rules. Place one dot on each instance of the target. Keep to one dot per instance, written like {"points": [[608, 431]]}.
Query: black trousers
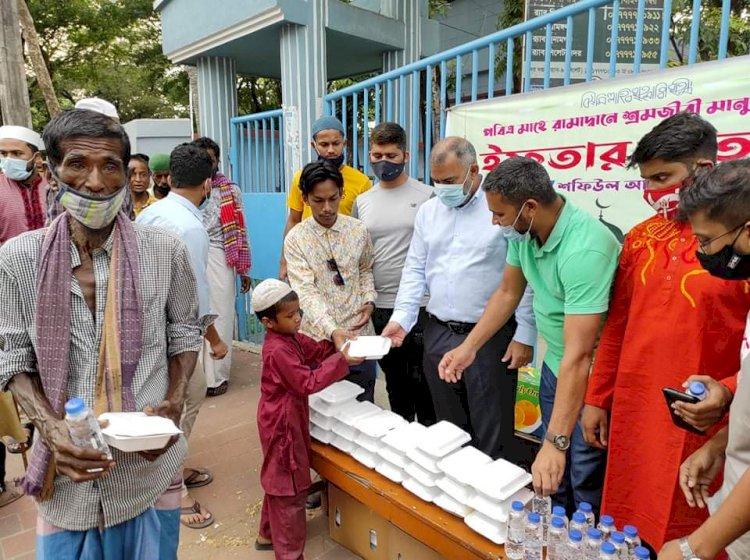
{"points": [[483, 401], [408, 392], [2, 467]]}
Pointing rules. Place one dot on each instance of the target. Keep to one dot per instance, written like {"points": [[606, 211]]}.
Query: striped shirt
{"points": [[22, 207], [170, 313]]}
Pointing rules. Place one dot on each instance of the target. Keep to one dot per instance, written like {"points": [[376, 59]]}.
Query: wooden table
{"points": [[441, 531]]}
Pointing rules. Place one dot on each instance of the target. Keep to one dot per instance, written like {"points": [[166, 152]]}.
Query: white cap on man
{"points": [[12, 132], [268, 293], [100, 106]]}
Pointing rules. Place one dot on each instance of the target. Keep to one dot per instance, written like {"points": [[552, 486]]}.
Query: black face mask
{"points": [[337, 161], [726, 263], [163, 191], [387, 170]]}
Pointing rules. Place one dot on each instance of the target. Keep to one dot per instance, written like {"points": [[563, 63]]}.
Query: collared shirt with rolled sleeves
{"points": [[169, 307], [458, 256]]}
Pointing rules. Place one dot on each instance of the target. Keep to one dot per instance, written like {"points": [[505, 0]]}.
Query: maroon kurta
{"points": [[22, 207], [293, 368]]}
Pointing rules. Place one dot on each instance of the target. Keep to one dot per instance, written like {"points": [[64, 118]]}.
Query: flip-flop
{"points": [[22, 446], [218, 390], [195, 480], [193, 510], [263, 547], [9, 496]]}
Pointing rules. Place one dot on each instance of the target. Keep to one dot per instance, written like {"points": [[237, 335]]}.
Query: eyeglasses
{"points": [[706, 244], [338, 279]]}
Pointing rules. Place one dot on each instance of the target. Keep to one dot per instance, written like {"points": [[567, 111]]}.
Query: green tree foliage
{"points": [[109, 49]]}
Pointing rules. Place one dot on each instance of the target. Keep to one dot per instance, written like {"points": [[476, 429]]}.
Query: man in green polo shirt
{"points": [[569, 259]]}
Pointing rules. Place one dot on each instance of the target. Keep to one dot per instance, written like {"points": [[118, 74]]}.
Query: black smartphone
{"points": [[673, 395]]}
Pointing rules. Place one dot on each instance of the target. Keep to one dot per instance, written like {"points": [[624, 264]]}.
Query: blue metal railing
{"points": [[257, 152]]}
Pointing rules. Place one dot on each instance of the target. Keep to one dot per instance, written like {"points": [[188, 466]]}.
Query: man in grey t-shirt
{"points": [[388, 210]]}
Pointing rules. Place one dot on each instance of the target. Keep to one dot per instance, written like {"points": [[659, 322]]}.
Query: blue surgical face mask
{"points": [[512, 234], [452, 195], [16, 169]]}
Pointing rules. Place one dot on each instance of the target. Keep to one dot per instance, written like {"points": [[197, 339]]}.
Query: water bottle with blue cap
{"points": [[618, 540], [556, 539], [606, 526], [532, 542], [593, 543], [559, 511], [631, 538], [84, 427], [697, 390], [641, 553], [607, 551], [516, 527], [575, 545]]}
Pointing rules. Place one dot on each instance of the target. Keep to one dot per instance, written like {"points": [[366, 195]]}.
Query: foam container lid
{"points": [[354, 410], [367, 458], [452, 506], [427, 462], [323, 436], [379, 424], [339, 392], [488, 528], [127, 425], [373, 445], [343, 444], [326, 409], [425, 478], [395, 457], [324, 422], [461, 464], [500, 479], [405, 437], [443, 438], [426, 493], [370, 347], [460, 492], [390, 471], [498, 510]]}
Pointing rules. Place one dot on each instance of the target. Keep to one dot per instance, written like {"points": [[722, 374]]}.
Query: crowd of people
{"points": [[117, 281]]}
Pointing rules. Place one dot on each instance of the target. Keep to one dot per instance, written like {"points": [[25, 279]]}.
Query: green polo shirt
{"points": [[571, 274]]}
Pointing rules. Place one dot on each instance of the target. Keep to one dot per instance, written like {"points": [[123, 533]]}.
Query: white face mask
{"points": [[512, 234], [16, 169], [452, 195]]}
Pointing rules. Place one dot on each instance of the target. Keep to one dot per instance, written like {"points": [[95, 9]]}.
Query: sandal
{"points": [[218, 390], [22, 446], [263, 547], [197, 477], [195, 509]]}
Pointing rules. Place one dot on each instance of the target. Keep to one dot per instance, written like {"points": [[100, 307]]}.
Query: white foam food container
{"points": [[323, 436], [452, 506], [349, 414], [488, 528], [405, 437], [390, 471], [462, 493], [369, 347], [424, 477], [495, 509], [392, 456], [424, 460], [323, 408], [339, 392], [426, 493], [500, 479], [367, 458], [461, 464], [324, 422], [443, 438], [373, 428], [136, 431], [341, 443]]}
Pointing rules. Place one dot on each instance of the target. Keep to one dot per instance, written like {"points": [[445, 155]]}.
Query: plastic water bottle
{"points": [[587, 510], [606, 526], [641, 553], [516, 527], [532, 542], [559, 511], [618, 539], [631, 538], [542, 505], [84, 427], [593, 543], [579, 522], [698, 390], [608, 551], [557, 541], [575, 545]]}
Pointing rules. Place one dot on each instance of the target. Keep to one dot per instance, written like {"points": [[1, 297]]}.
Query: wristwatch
{"points": [[687, 552], [561, 442]]}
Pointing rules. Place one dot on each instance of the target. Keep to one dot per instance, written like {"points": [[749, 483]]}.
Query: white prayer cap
{"points": [[98, 105], [268, 293], [10, 132]]}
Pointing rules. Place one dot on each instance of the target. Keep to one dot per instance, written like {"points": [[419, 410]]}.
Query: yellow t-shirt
{"points": [[355, 183]]}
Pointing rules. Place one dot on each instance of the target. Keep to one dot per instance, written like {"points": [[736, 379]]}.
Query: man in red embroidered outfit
{"points": [[22, 189]]}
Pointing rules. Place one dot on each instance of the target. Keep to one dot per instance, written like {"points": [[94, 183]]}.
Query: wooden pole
{"points": [[14, 91], [37, 60]]}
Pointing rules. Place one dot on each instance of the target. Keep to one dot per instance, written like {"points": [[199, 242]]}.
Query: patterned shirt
{"points": [[212, 218], [170, 312], [22, 207], [308, 248]]}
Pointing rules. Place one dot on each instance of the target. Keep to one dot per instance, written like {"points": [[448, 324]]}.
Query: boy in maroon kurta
{"points": [[294, 366]]}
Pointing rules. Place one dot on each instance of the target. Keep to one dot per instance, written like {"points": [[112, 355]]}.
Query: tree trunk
{"points": [[14, 91], [37, 60]]}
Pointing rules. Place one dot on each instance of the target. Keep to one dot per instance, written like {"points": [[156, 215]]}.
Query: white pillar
{"points": [[217, 101]]}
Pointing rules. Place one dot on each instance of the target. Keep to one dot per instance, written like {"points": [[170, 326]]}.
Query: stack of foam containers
{"points": [[396, 444], [345, 434], [423, 472], [370, 432], [455, 485], [325, 405], [497, 485]]}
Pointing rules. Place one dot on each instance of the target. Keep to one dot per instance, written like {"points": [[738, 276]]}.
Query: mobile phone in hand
{"points": [[672, 396]]}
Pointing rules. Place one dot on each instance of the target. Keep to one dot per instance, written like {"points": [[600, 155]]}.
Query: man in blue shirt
{"points": [[457, 256], [190, 170]]}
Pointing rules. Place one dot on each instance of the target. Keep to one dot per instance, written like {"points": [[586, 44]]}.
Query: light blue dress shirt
{"points": [[458, 256], [178, 215]]}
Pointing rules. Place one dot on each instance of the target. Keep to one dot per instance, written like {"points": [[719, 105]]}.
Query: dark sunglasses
{"points": [[338, 279]]}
